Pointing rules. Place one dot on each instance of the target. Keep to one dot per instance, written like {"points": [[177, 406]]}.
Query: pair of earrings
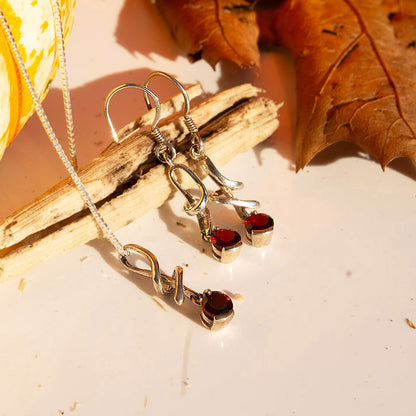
{"points": [[225, 243]]}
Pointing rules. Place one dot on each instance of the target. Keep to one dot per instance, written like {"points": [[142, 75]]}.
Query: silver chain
{"points": [[68, 115], [59, 35]]}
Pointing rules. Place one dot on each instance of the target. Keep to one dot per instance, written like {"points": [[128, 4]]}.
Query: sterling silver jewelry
{"points": [[259, 227], [225, 244], [216, 307]]}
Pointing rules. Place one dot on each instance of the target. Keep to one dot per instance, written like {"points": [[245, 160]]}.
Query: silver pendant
{"points": [[216, 307]]}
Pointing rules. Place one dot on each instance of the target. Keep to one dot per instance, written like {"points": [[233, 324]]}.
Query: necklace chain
{"points": [[68, 116], [59, 36]]}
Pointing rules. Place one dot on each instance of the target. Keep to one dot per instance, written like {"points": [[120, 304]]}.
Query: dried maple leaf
{"points": [[214, 29], [356, 73]]}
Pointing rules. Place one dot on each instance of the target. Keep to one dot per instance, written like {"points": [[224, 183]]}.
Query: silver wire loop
{"points": [[154, 271], [186, 99], [122, 87], [197, 149], [197, 152], [164, 151], [194, 205]]}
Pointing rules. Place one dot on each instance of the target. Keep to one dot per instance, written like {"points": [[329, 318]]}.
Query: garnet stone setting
{"points": [[259, 229], [217, 310], [225, 244]]}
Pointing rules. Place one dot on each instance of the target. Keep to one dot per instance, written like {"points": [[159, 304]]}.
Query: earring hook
{"points": [[197, 149], [182, 89], [147, 93]]}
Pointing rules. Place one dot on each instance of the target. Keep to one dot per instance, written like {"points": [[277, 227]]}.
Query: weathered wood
{"points": [[234, 121], [101, 177]]}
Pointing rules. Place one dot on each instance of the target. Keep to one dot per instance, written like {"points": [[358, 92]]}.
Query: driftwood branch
{"points": [[126, 180]]}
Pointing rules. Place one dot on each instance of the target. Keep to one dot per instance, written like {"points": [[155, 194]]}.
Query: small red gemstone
{"points": [[258, 222], [224, 238], [215, 304]]}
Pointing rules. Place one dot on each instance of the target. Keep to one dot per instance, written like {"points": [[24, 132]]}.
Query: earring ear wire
{"points": [[148, 93]]}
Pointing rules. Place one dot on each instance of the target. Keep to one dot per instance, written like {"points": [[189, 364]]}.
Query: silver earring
{"points": [[259, 226], [225, 244]]}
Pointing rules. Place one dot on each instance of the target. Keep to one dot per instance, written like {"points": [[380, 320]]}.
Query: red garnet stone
{"points": [[215, 304], [224, 238], [258, 222]]}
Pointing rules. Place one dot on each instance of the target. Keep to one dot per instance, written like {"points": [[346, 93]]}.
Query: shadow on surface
{"points": [[277, 79], [404, 166], [342, 150], [142, 29], [185, 228]]}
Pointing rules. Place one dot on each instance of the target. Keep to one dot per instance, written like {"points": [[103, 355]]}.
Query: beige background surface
{"points": [[321, 329]]}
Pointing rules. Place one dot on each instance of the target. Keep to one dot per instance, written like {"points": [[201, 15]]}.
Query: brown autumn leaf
{"points": [[214, 29], [356, 73]]}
